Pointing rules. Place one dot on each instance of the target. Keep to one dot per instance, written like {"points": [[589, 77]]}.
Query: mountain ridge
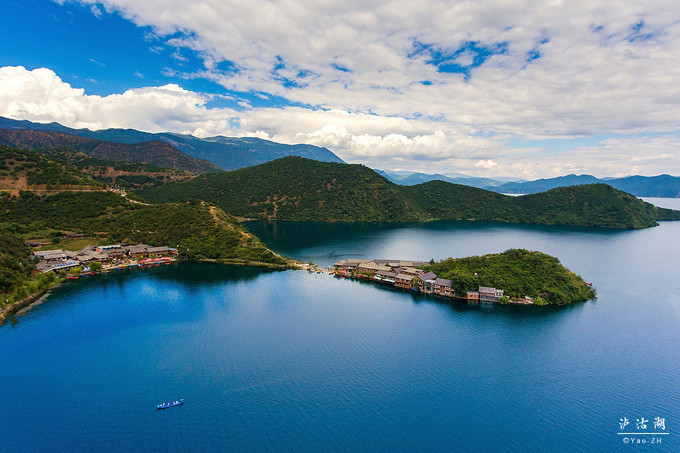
{"points": [[228, 153], [665, 186], [294, 188], [154, 152]]}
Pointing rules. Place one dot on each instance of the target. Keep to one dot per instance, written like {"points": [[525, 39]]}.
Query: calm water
{"points": [[286, 360]]}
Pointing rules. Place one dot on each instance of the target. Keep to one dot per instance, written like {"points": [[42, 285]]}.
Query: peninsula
{"points": [[515, 276]]}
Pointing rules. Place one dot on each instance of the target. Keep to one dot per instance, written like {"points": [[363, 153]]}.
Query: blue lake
{"points": [[290, 360]]}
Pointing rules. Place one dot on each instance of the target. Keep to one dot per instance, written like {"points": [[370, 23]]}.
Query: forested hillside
{"points": [[29, 170], [153, 152], [294, 188], [519, 273], [124, 175], [198, 230]]}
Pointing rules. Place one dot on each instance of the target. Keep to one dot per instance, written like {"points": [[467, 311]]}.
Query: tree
{"points": [[75, 271], [96, 267]]}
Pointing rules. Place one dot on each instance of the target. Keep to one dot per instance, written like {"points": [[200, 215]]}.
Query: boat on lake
{"points": [[167, 405]]}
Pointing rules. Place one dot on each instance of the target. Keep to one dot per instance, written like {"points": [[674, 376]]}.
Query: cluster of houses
{"points": [[406, 275], [55, 260]]}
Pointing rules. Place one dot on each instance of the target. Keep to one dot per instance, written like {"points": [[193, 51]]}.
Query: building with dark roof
{"points": [[443, 287], [487, 294]]}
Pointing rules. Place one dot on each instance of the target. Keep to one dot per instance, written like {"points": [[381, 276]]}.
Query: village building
{"points": [[342, 264], [55, 260], [114, 250], [399, 263], [136, 251], [403, 281], [161, 251], [353, 263], [63, 265], [487, 294], [50, 255], [371, 268], [408, 270], [426, 282], [386, 277], [472, 296], [443, 287]]}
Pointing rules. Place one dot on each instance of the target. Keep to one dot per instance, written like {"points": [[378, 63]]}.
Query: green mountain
{"points": [[154, 152], [228, 153], [198, 230], [294, 188], [585, 205], [519, 273]]}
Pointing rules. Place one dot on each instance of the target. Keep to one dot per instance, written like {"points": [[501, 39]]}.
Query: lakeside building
{"points": [[55, 260], [487, 294], [405, 275], [404, 281], [443, 287], [50, 255], [372, 267], [426, 282]]}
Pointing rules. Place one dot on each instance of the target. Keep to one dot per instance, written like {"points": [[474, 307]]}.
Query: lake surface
{"points": [[289, 360]]}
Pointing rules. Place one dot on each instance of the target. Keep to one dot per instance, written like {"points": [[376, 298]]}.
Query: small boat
{"points": [[73, 277], [167, 405]]}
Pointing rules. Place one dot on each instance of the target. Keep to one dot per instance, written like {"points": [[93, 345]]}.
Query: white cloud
{"points": [[40, 95], [602, 68]]}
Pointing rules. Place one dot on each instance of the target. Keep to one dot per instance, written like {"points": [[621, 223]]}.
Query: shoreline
{"points": [[35, 299], [32, 300]]}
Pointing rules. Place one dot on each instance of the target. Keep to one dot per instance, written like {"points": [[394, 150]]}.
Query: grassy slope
{"points": [[294, 188]]}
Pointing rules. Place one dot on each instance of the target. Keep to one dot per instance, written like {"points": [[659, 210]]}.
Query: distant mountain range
{"points": [[228, 153], [198, 155], [641, 186], [665, 186], [153, 152], [293, 188], [409, 178]]}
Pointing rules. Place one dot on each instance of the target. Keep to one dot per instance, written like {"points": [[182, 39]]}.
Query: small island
{"points": [[516, 276]]}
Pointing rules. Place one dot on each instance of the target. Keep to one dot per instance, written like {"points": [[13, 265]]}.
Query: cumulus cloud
{"points": [[599, 67], [375, 78], [40, 95]]}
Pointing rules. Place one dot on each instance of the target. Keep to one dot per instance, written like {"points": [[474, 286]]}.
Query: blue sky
{"points": [[484, 88]]}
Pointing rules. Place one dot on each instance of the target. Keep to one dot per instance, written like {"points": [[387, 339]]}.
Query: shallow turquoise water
{"points": [[288, 360]]}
